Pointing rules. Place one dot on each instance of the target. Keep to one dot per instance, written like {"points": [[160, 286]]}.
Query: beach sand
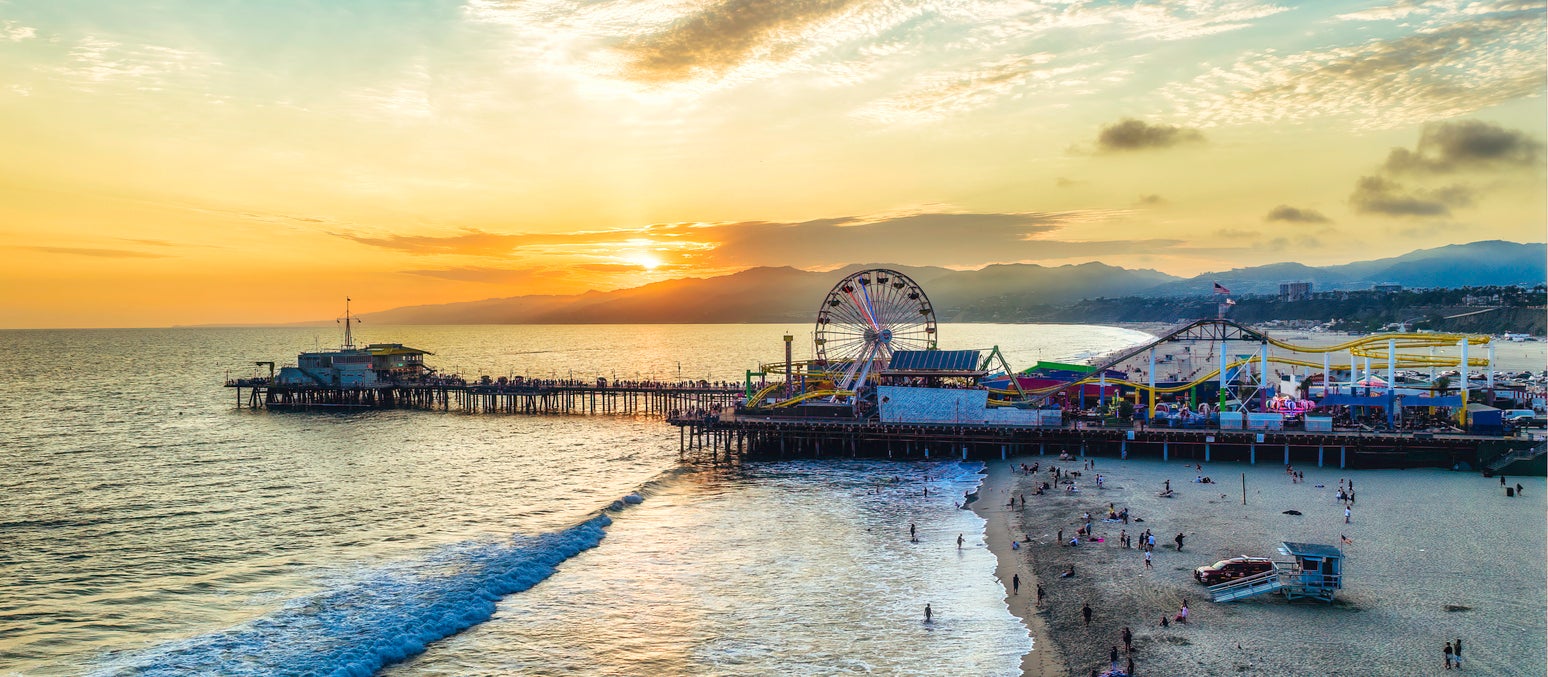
{"points": [[999, 521], [1436, 556]]}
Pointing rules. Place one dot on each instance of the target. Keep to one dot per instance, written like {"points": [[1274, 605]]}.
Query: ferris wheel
{"points": [[867, 317]]}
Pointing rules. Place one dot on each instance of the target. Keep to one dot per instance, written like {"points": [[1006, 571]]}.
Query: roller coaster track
{"points": [[764, 393], [1373, 347], [812, 396]]}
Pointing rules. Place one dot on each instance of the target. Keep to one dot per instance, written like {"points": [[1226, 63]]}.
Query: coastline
{"points": [[1045, 659], [1404, 597]]}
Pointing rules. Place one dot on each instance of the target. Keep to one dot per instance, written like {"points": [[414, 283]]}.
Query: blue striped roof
{"points": [[934, 360]]}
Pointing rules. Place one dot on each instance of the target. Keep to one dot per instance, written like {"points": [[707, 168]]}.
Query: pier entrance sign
{"points": [[867, 317]]}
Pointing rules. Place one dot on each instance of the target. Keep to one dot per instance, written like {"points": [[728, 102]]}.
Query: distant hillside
{"points": [[1489, 262], [782, 295], [997, 293]]}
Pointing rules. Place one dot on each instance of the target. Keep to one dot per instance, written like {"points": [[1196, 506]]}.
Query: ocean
{"points": [[149, 525]]}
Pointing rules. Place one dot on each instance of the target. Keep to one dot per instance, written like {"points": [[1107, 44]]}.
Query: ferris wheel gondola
{"points": [[865, 318]]}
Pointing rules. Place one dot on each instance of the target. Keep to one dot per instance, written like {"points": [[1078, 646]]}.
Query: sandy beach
{"points": [[1435, 556]]}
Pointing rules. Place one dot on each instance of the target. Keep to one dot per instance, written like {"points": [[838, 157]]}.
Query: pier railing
{"points": [[553, 397]]}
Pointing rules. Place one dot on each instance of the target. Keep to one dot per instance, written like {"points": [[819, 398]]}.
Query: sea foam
{"points": [[385, 617]]}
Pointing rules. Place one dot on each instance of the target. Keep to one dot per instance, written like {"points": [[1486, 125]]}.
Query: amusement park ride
{"points": [[877, 328]]}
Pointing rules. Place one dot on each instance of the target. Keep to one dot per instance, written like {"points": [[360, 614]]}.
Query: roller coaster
{"points": [[871, 315], [1377, 348]]}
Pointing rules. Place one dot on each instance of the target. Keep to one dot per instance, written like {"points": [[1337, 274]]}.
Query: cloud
{"points": [[1378, 195], [96, 62], [1295, 215], [472, 242], [1131, 134], [920, 238], [11, 31], [722, 35], [1465, 61], [936, 95], [99, 253], [482, 274], [1236, 233], [1446, 147]]}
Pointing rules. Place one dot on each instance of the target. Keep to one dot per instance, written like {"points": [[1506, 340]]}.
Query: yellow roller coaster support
{"points": [[812, 396], [762, 394]]}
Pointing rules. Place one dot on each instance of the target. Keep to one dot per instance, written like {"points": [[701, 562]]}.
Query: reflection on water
{"points": [[147, 520]]}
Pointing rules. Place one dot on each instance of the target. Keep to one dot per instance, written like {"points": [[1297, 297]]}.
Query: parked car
{"points": [[1227, 570], [1518, 416]]}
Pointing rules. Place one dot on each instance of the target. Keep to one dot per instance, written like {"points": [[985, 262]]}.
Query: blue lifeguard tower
{"points": [[1314, 571]]}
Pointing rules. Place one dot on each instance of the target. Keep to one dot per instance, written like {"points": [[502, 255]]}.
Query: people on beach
{"points": [[1085, 612], [1128, 639], [1456, 653], [1447, 653], [1179, 540], [1182, 614], [959, 541], [913, 533], [1165, 623], [1040, 594], [1112, 657], [1518, 489], [1147, 560], [1346, 514], [1015, 584], [1068, 572], [928, 614]]}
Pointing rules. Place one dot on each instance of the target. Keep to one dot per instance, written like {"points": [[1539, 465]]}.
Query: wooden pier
{"points": [[644, 399], [732, 437]]}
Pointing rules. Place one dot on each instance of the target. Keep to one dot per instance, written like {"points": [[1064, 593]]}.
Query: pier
{"points": [[732, 437], [649, 399]]}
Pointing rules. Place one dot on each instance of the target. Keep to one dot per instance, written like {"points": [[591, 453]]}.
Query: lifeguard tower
{"points": [[1314, 571]]}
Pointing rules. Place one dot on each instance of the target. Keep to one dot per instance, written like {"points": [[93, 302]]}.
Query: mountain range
{"points": [[996, 293]]}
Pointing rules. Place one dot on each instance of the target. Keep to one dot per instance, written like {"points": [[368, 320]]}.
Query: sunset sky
{"points": [[212, 161]]}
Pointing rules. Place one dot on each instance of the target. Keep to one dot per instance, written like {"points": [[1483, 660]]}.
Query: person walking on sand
{"points": [[1085, 612], [959, 541], [1040, 594], [913, 534], [1128, 640], [1446, 653], [1015, 584], [1456, 651], [1518, 489], [1346, 514], [1179, 540], [928, 614], [1147, 560]]}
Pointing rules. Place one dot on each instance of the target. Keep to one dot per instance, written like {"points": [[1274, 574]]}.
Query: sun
{"points": [[645, 260]]}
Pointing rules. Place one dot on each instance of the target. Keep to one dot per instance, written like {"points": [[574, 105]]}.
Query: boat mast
{"points": [[349, 340]]}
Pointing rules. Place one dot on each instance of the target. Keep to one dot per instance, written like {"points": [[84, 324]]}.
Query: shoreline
{"points": [[1045, 658], [1402, 589]]}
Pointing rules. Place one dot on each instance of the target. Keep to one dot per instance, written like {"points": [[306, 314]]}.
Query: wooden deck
{"points": [[653, 400], [732, 436]]}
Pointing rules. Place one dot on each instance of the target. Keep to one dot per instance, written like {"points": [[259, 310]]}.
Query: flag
{"points": [[1221, 290]]}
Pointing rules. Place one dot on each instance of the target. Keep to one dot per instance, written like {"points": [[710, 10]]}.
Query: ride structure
{"points": [[865, 319]]}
